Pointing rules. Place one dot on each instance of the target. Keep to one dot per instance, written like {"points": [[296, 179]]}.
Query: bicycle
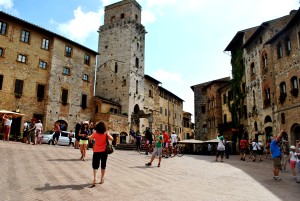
{"points": [[179, 150]]}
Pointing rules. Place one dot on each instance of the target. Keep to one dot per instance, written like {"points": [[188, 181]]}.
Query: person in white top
{"points": [[293, 160], [174, 141], [220, 147], [38, 130], [255, 148], [7, 125]]}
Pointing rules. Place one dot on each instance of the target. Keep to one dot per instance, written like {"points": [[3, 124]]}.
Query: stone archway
{"points": [[63, 123], [137, 115], [295, 134]]}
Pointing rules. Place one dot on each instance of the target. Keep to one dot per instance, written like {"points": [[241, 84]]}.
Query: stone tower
{"points": [[120, 73]]}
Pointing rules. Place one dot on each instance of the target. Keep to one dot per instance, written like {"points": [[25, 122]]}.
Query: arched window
{"points": [[282, 88], [294, 85], [268, 119], [294, 82], [264, 59], [252, 67]]}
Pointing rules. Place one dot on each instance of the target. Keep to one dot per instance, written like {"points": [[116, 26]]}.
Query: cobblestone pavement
{"points": [[44, 172]]}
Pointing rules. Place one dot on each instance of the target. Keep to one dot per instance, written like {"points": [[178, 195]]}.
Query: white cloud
{"points": [[107, 2], [6, 4], [148, 17], [164, 76], [82, 25]]}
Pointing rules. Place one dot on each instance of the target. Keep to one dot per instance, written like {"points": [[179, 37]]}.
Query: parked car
{"points": [[63, 138]]}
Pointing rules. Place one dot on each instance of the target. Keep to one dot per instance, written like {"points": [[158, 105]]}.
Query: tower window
{"points": [[122, 16], [40, 91], [136, 17], [83, 101], [64, 96], [19, 87], [137, 62], [116, 67], [279, 51]]}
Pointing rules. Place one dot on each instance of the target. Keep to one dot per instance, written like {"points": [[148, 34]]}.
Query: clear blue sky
{"points": [[185, 39]]}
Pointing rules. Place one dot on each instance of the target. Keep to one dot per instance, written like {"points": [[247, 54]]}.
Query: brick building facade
{"points": [[44, 75]]}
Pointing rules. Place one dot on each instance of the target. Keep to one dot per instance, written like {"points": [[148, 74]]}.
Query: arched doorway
{"points": [[295, 133], [269, 132], [63, 124], [123, 136]]}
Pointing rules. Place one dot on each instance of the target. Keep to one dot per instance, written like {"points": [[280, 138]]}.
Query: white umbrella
{"points": [[10, 113]]}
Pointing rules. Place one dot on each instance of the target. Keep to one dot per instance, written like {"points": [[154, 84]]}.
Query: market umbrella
{"points": [[10, 113]]}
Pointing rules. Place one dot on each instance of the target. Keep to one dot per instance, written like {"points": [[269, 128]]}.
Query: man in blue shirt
{"points": [[276, 154]]}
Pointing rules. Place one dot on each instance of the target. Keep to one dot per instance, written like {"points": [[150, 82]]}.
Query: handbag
{"points": [[109, 148]]}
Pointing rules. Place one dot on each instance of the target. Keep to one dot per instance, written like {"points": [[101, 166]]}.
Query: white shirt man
{"points": [[174, 138]]}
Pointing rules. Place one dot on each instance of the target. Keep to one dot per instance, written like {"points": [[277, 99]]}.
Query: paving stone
{"points": [[55, 173]]}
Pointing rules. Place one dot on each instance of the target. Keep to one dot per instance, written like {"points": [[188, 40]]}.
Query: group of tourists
{"points": [[87, 133], [280, 151], [162, 144], [32, 132]]}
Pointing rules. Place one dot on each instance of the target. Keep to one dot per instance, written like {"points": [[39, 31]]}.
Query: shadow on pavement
{"points": [[142, 167], [262, 172], [48, 187], [64, 160]]}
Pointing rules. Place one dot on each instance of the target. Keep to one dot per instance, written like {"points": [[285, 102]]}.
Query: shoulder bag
{"points": [[109, 148]]}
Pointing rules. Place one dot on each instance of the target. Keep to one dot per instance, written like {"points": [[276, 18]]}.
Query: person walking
{"points": [[260, 150], [284, 155], [39, 130], [220, 147], [174, 141], [149, 139], [31, 134], [243, 148], [209, 149], [267, 149], [138, 141], [255, 149], [293, 160], [275, 151], [100, 137], [166, 144], [77, 137], [157, 149], [84, 139], [7, 126], [56, 135]]}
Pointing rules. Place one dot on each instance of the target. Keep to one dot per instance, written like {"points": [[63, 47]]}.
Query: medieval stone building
{"points": [[49, 77], [268, 57], [44, 75], [138, 98]]}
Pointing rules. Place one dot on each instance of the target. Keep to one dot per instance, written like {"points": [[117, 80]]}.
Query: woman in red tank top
{"points": [[99, 150]]}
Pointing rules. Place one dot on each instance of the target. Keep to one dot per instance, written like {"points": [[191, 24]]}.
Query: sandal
{"points": [[158, 165], [94, 183]]}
